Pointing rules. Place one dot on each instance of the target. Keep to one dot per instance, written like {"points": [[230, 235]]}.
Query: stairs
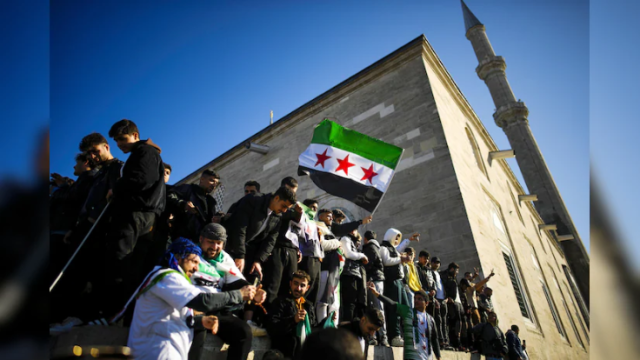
{"points": [[86, 336]]}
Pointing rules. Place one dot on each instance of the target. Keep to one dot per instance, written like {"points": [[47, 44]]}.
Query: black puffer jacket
{"points": [[186, 224], [141, 187], [375, 267]]}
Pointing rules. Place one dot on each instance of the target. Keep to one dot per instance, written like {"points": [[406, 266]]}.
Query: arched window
{"points": [[476, 152]]}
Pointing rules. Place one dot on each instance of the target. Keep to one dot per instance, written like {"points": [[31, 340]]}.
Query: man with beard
{"points": [[365, 327], [193, 205], [218, 273], [292, 317], [163, 320]]}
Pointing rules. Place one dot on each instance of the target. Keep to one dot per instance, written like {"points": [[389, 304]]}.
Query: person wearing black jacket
{"points": [[64, 207], [285, 256], [292, 317], [375, 274], [138, 197], [193, 205], [84, 265], [254, 227], [492, 341], [353, 279], [365, 327], [455, 311]]}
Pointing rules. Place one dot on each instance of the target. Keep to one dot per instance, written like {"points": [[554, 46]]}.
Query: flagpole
{"points": [[78, 248], [391, 179]]}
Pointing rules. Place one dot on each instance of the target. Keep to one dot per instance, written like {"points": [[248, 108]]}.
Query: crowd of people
{"points": [[165, 261]]}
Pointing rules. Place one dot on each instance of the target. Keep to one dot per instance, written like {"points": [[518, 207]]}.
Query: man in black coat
{"points": [[375, 274], [365, 328], [455, 311], [193, 205], [292, 317], [254, 227], [138, 197]]}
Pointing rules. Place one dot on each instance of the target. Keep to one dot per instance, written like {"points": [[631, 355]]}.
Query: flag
{"points": [[350, 165]]}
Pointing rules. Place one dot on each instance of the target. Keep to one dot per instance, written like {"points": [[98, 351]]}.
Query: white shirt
{"points": [[422, 344], [439, 286], [159, 330]]}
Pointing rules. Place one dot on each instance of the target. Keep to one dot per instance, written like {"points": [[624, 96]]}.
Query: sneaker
{"points": [[373, 342], [397, 342], [256, 331], [384, 342]]}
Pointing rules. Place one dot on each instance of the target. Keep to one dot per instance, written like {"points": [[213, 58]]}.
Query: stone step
{"points": [[214, 348]]}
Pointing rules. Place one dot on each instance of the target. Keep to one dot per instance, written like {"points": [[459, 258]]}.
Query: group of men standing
{"points": [[165, 260]]}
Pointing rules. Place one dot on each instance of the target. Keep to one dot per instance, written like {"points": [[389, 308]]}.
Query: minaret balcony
{"points": [[490, 65], [511, 113]]}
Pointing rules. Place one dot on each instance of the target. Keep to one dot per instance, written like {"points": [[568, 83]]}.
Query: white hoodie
{"points": [[387, 260]]}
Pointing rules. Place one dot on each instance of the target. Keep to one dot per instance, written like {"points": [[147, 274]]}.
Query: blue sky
{"points": [[200, 77]]}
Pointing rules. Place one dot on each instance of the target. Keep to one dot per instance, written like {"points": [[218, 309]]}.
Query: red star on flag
{"points": [[368, 174], [322, 158], [344, 165]]}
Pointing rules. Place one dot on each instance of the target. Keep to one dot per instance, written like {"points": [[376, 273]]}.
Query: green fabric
{"points": [[409, 330], [157, 280], [329, 323], [210, 268], [307, 327], [310, 213], [332, 134]]}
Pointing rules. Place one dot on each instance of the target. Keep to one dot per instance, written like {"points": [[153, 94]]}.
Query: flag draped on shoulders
{"points": [[350, 165]]}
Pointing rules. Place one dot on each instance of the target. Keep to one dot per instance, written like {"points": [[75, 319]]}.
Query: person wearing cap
{"points": [[419, 328], [164, 319], [375, 274], [392, 258], [439, 308], [218, 273]]}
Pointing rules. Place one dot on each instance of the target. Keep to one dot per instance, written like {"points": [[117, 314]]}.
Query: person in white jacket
{"points": [[392, 257]]}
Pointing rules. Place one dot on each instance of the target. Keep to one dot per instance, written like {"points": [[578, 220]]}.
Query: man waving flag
{"points": [[349, 165]]}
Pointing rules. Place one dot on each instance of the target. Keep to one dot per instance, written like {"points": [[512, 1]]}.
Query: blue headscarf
{"points": [[182, 248]]}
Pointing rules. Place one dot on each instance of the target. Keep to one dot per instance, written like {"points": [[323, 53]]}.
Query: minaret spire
{"points": [[470, 20], [512, 116]]}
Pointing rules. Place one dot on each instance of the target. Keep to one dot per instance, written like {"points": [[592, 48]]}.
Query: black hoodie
{"points": [[141, 187]]}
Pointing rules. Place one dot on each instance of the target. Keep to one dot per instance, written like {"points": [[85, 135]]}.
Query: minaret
{"points": [[511, 115]]}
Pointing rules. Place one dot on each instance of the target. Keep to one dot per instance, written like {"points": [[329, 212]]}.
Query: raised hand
{"points": [[300, 315], [415, 237], [367, 220]]}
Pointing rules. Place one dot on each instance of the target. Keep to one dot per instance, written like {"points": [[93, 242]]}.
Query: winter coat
{"points": [[243, 227], [186, 224], [141, 187]]}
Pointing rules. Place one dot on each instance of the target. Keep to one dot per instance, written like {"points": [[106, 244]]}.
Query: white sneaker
{"points": [[256, 331], [397, 342]]}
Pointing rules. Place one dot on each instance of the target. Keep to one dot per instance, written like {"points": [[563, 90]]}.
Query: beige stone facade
{"points": [[465, 206]]}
